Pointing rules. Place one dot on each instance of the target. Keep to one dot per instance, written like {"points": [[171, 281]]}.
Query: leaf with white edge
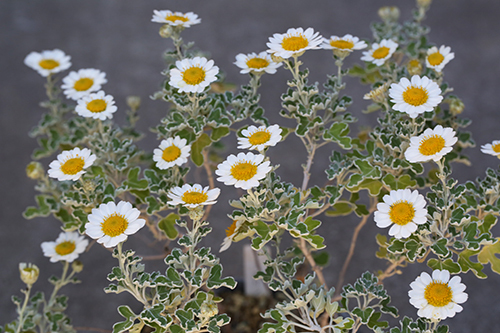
{"points": [[363, 315], [123, 326], [488, 254], [341, 208], [167, 225], [215, 281], [448, 265], [197, 147], [154, 316], [467, 264]]}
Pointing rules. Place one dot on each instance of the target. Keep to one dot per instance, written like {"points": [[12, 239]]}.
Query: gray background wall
{"points": [[117, 37]]}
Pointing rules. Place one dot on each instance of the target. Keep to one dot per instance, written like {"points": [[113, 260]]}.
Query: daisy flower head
{"points": [[256, 63], [294, 42], [111, 224], [67, 247], [431, 145], [71, 164], [492, 148], [380, 52], [348, 43], [437, 296], [48, 62], [243, 171], [175, 18], [231, 233], [414, 97], [193, 75], [79, 84], [97, 106], [403, 210], [173, 151], [193, 196], [437, 59], [259, 138]]}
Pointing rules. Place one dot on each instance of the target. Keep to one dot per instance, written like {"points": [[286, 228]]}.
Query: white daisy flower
{"points": [[259, 138], [111, 224], [97, 106], [403, 209], [231, 233], [414, 97], [243, 171], [437, 297], [256, 63], [79, 84], [71, 164], [437, 59], [193, 75], [172, 151], [380, 52], [67, 247], [48, 62], [293, 42], [492, 148], [193, 196], [347, 43], [175, 18], [431, 145]]}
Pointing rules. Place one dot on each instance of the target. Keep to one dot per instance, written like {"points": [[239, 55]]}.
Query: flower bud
{"points": [[389, 14], [166, 31], [88, 185], [133, 102], [414, 67], [456, 106], [424, 3], [77, 266], [208, 309], [196, 213], [28, 272], [34, 170], [276, 58]]}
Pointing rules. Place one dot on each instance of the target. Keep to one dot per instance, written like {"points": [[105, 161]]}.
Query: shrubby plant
{"points": [[399, 174]]}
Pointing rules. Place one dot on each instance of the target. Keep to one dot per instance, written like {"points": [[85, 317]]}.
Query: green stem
{"points": [[23, 308]]}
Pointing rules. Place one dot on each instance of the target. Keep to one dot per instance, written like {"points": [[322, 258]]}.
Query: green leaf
{"points": [[364, 315], [218, 133], [341, 208], [154, 316], [338, 132], [403, 182], [321, 258], [488, 254], [214, 280], [133, 182], [467, 264], [441, 248], [448, 264], [197, 148], [167, 225]]}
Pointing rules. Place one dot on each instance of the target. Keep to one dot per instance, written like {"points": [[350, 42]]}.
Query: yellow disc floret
{"points": [[73, 166], [173, 18], [48, 64], [97, 105], [114, 225], [401, 213], [431, 145], [259, 137], [438, 294], [496, 148], [294, 43], [194, 197], [243, 170], [193, 75], [65, 248], [83, 84], [231, 229], [342, 44], [435, 58], [171, 153], [257, 63], [381, 52], [415, 96]]}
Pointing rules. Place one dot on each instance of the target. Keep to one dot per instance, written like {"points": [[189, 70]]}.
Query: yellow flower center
{"points": [[496, 148], [73, 166], [431, 145], [48, 64], [65, 248], [171, 153], [435, 58], [438, 294], [114, 225], [231, 229], [259, 137], [257, 63], [243, 170], [83, 84], [294, 43], [381, 52], [194, 197], [30, 270], [402, 212], [415, 96], [193, 75], [342, 44], [97, 105], [173, 18]]}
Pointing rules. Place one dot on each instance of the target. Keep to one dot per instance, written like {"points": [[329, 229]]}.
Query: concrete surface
{"points": [[117, 37]]}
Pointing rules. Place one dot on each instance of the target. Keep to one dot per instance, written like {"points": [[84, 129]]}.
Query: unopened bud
{"points": [[166, 31], [276, 58], [88, 185], [77, 266], [196, 213], [456, 106], [389, 14], [29, 273], [134, 102], [414, 67], [34, 170], [424, 3], [208, 309]]}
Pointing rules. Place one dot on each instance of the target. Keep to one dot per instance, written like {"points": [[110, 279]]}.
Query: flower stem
{"points": [[23, 308]]}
